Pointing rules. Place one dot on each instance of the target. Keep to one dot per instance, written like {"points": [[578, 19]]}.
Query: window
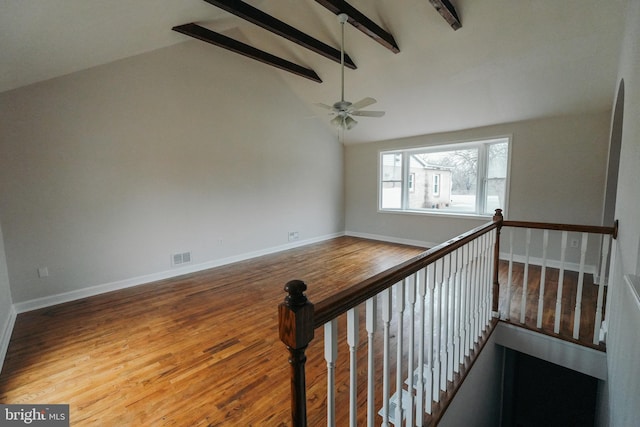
{"points": [[463, 178]]}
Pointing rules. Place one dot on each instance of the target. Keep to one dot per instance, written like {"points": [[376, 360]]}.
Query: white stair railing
{"points": [[435, 310], [426, 317], [569, 250]]}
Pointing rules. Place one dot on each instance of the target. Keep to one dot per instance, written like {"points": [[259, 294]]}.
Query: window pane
{"points": [[392, 167], [496, 176], [445, 180], [391, 190], [391, 195]]}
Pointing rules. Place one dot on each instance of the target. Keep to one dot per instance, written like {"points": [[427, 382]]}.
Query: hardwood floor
{"points": [[201, 349], [569, 293]]}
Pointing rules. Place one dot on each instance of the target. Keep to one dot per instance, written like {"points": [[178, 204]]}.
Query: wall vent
{"points": [[181, 258]]}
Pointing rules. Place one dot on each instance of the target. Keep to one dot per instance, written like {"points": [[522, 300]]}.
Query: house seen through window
{"points": [[464, 178]]}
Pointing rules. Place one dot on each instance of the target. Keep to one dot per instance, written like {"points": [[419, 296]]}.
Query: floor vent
{"points": [[181, 258]]}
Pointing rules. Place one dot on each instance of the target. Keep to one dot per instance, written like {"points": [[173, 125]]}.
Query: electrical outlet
{"points": [[574, 243], [43, 272], [293, 235]]}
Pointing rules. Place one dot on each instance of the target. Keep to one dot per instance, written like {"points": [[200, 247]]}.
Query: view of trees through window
{"points": [[465, 178]]}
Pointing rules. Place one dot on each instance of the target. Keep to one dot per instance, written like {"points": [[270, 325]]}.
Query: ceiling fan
{"points": [[344, 110]]}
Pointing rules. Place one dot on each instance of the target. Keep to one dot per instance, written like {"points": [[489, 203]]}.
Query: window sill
{"points": [[441, 214]]}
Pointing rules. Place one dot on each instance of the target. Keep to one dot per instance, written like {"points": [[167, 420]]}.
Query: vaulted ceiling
{"points": [[510, 60]]}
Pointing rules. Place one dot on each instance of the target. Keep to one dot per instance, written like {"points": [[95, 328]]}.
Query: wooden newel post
{"points": [[295, 318], [497, 218]]}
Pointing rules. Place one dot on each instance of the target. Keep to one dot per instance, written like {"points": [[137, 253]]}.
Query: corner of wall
{"points": [[5, 336]]}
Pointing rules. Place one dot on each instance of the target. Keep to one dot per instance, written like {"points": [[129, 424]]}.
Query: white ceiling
{"points": [[511, 60]]}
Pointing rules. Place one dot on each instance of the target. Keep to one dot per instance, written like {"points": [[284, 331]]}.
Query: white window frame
{"points": [[436, 184], [481, 176]]}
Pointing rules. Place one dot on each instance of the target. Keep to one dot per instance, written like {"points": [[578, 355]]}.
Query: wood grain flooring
{"points": [[200, 349], [568, 304], [196, 350]]}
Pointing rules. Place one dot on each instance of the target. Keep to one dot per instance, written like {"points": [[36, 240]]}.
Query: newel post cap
{"points": [[497, 217], [295, 316]]}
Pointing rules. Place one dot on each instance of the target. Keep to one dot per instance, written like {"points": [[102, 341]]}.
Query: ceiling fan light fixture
{"points": [[349, 122], [344, 122]]}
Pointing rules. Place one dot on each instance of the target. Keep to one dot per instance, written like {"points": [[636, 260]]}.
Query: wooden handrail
{"points": [[596, 229]]}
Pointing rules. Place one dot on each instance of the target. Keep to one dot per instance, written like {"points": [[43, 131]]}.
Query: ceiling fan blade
{"points": [[320, 104], [368, 113], [363, 103]]}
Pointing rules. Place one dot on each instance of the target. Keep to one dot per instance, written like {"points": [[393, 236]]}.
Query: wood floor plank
{"points": [[203, 349]]}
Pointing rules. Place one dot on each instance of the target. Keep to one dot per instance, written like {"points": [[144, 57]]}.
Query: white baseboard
{"points": [[5, 337], [391, 239], [90, 291], [552, 263]]}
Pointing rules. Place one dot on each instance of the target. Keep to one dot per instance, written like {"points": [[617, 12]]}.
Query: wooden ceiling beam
{"points": [[198, 32], [448, 12], [361, 22], [268, 22]]}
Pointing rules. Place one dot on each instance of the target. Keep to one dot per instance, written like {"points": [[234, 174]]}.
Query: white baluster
{"points": [[558, 315], [420, 385], [411, 300], [543, 272], [468, 301], [330, 355], [371, 320], [399, 289], [353, 338], [437, 308], [463, 303], [458, 324], [477, 296], [490, 267], [442, 332], [430, 385], [451, 283], [507, 314], [473, 300], [578, 311], [486, 272], [601, 282], [525, 278], [385, 297]]}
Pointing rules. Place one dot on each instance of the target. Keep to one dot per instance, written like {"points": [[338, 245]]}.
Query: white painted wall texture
{"points": [[558, 168], [623, 344], [478, 402], [106, 172], [7, 314]]}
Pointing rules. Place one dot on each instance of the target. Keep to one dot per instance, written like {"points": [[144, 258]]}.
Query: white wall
{"points": [[623, 342], [7, 314], [478, 402], [558, 170], [106, 172]]}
